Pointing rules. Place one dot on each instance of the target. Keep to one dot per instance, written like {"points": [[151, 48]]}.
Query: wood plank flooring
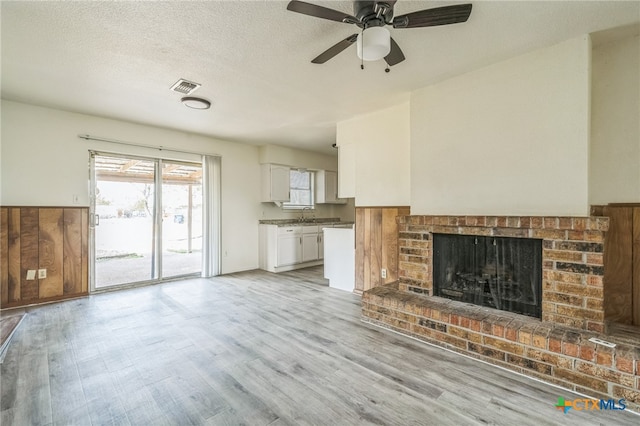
{"points": [[252, 348]]}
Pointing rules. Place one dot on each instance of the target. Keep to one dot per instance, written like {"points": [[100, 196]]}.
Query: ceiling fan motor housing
{"points": [[367, 13]]}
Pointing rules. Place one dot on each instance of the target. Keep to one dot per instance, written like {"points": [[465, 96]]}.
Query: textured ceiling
{"points": [[119, 59]]}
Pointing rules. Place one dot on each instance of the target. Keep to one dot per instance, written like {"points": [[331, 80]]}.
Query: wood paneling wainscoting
{"points": [[622, 263], [51, 238], [376, 245]]}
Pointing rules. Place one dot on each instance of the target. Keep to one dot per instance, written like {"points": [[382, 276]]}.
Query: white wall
{"points": [[615, 122], [346, 170], [508, 139], [378, 144], [298, 158], [44, 163]]}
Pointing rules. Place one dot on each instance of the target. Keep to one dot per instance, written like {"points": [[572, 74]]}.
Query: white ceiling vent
{"points": [[185, 87]]}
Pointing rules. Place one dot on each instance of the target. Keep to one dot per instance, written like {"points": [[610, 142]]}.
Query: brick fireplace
{"points": [[555, 348], [497, 272]]}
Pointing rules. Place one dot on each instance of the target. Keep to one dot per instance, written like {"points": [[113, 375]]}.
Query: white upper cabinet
{"points": [[275, 183], [327, 188]]}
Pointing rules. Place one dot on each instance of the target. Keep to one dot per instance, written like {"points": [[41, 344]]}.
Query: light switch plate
{"points": [[42, 273], [31, 274]]}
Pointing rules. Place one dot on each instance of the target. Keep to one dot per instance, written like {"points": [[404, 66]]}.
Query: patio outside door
{"points": [[147, 219], [181, 219]]}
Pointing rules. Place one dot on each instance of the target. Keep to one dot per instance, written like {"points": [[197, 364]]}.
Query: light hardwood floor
{"points": [[252, 348]]}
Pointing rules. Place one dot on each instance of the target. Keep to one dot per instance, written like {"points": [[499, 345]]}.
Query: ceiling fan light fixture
{"points": [[196, 103], [374, 43]]}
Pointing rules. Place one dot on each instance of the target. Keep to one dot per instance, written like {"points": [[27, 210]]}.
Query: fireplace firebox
{"points": [[496, 272]]}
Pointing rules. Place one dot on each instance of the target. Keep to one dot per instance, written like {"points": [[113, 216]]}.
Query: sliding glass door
{"points": [[123, 220], [147, 219]]}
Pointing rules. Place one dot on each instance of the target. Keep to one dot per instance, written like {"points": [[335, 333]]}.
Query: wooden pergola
{"points": [[142, 171]]}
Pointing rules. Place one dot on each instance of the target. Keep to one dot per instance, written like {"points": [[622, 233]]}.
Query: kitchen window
{"points": [[301, 189]]}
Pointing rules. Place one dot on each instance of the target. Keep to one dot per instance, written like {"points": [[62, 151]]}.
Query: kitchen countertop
{"points": [[310, 221]]}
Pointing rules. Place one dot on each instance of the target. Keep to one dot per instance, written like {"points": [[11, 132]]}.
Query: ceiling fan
{"points": [[374, 42]]}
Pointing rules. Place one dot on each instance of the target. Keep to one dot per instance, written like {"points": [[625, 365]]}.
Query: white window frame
{"points": [[312, 181]]}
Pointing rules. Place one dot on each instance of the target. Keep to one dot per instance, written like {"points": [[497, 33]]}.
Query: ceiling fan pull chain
{"points": [[362, 59]]}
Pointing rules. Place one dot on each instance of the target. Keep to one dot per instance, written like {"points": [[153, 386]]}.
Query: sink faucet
{"points": [[302, 213]]}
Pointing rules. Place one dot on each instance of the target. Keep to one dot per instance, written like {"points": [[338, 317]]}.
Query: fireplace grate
{"points": [[496, 272]]}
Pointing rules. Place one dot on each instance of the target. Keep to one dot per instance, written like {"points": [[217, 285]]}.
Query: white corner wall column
{"points": [[374, 157], [614, 174]]}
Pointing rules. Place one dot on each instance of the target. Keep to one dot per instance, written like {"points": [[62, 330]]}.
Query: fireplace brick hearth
{"points": [[555, 349]]}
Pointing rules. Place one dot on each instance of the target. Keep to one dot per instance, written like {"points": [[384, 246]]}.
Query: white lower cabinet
{"points": [[309, 247], [309, 243], [289, 249], [284, 248]]}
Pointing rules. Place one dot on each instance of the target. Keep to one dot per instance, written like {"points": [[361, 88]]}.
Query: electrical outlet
{"points": [[42, 273], [383, 273]]}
